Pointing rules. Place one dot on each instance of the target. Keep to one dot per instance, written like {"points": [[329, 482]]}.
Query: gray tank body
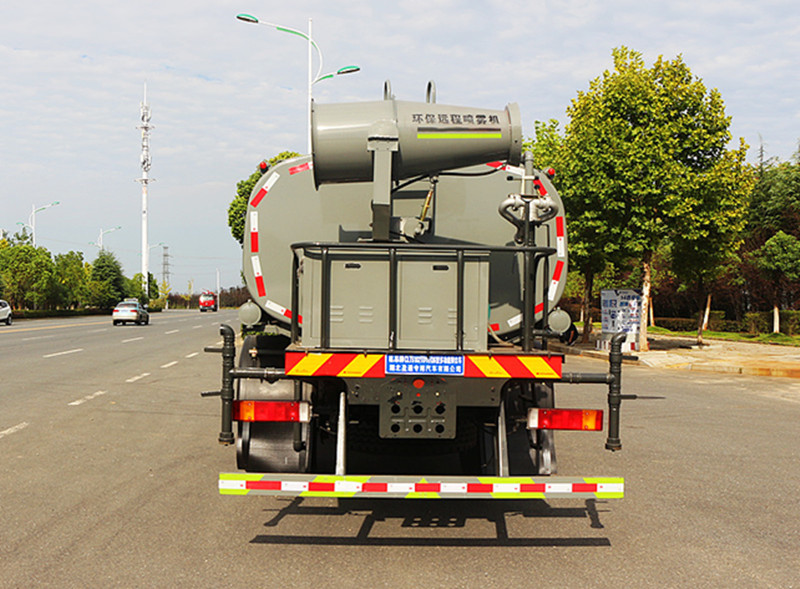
{"points": [[287, 207]]}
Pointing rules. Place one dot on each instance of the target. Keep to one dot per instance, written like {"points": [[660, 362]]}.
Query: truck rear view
{"points": [[405, 280]]}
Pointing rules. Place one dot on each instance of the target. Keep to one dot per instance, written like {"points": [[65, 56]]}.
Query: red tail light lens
{"points": [[567, 419]]}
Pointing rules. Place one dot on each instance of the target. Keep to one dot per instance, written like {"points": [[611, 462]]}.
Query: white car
{"points": [[131, 311], [5, 312]]}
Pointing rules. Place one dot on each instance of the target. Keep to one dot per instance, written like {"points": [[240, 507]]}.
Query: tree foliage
{"points": [[238, 207], [27, 274], [644, 160], [107, 284]]}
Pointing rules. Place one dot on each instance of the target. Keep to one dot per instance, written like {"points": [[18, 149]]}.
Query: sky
{"points": [[225, 94]]}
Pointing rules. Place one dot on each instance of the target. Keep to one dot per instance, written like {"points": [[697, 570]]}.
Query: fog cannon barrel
{"points": [[427, 138]]}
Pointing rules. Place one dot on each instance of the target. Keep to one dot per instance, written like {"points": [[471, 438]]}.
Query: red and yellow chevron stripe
{"points": [[348, 365], [356, 365], [513, 366]]}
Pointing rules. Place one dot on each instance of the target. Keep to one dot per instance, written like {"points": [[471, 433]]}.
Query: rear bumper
{"points": [[419, 487]]}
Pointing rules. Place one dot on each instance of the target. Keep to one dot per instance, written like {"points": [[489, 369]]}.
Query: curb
{"points": [[721, 368]]}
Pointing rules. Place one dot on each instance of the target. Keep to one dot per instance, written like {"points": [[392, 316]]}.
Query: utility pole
{"points": [[145, 180], [165, 273], [165, 265]]}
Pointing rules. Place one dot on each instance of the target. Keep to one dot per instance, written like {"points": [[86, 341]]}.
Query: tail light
{"points": [[569, 419], [272, 411]]}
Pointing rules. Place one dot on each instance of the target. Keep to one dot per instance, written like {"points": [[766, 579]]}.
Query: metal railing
{"points": [[532, 256]]}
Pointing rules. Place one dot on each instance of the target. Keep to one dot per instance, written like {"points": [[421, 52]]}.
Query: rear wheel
{"points": [[543, 447], [530, 452], [269, 446]]}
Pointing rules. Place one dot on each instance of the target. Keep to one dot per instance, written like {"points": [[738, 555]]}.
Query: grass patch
{"points": [[762, 338]]}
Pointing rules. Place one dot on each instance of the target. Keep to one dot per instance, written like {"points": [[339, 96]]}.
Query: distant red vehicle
{"points": [[208, 301]]}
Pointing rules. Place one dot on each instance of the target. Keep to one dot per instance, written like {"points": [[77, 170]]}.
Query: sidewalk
{"points": [[715, 356]]}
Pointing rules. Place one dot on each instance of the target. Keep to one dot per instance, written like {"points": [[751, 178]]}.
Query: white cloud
{"points": [[224, 94]]}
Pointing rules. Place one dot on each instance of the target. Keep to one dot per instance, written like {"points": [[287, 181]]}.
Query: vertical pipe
{"points": [[310, 85], [614, 392], [392, 298], [226, 392], [460, 300], [295, 298], [325, 337], [528, 300]]}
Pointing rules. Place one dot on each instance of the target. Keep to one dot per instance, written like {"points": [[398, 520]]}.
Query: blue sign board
{"points": [[417, 364]]}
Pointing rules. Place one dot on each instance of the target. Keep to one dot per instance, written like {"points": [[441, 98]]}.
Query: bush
{"points": [[677, 323], [757, 322], [790, 322]]}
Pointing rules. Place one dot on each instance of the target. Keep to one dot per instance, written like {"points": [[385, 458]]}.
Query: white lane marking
{"points": [[13, 430], [63, 353], [193, 354], [173, 331], [98, 330], [169, 364], [197, 327], [133, 339], [30, 339], [135, 378], [87, 398]]}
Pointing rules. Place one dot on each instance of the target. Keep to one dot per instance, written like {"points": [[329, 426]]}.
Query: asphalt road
{"points": [[109, 463]]}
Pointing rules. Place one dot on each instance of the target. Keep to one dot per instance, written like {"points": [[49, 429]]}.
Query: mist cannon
{"points": [[423, 138]]}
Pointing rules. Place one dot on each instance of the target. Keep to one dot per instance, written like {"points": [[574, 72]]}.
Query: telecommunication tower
{"points": [[145, 180]]}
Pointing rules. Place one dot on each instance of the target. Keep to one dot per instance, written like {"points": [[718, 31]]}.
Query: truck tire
{"points": [[268, 446]]}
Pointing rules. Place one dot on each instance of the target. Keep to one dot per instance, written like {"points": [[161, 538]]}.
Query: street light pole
{"points": [[99, 242], [312, 79], [32, 219]]}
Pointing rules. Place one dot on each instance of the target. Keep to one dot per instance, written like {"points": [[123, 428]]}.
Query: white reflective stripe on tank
{"points": [[262, 290], [556, 278], [301, 168], [273, 306], [561, 250], [254, 231], [265, 189]]}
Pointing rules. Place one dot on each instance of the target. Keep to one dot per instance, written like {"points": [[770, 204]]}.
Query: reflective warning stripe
{"points": [[498, 366], [264, 189], [254, 231], [561, 250], [416, 487], [358, 365], [517, 319], [256, 263], [281, 310], [301, 168], [350, 365], [551, 293]]}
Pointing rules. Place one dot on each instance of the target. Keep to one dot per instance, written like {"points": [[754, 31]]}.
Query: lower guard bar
{"points": [[418, 487]]}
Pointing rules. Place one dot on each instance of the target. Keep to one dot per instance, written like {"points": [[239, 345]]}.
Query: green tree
{"points": [[134, 288], [27, 275], [546, 145], [645, 160], [107, 286], [779, 260], [71, 279], [237, 210]]}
